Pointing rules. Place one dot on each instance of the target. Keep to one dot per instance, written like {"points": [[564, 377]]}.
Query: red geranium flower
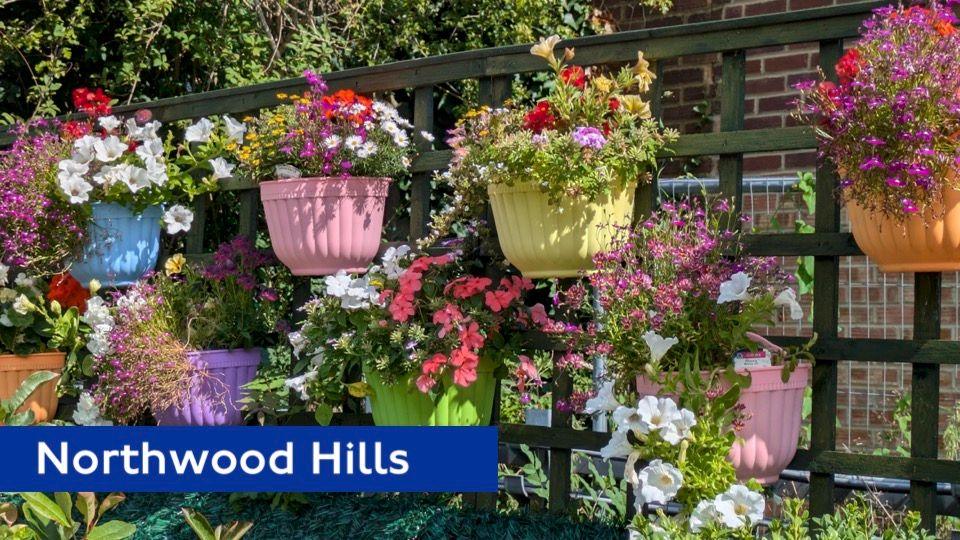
{"points": [[93, 102], [73, 129], [68, 292], [574, 76], [848, 66], [614, 104], [540, 118]]}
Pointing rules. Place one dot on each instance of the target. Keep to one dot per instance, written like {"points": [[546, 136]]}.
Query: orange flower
{"points": [[944, 28]]}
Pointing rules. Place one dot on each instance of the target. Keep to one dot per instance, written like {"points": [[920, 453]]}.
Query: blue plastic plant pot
{"points": [[121, 246]]}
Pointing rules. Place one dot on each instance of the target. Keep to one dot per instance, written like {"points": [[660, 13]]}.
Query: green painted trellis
{"points": [[495, 68]]}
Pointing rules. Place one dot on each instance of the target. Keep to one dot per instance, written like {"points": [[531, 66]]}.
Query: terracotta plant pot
{"points": [[772, 431], [214, 400], [319, 226], [547, 241], [405, 405], [15, 369], [918, 244]]}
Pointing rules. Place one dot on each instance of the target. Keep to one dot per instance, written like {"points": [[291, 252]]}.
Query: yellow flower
{"points": [[602, 83], [281, 95], [635, 105], [642, 73], [544, 48], [174, 264]]}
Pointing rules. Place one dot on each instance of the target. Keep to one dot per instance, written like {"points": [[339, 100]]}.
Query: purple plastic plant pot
{"points": [[214, 398]]}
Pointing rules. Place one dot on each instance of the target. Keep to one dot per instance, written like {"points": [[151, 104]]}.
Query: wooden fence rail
{"points": [[495, 70]]}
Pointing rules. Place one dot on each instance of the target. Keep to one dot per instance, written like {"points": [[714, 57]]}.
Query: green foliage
{"points": [[30, 323], [43, 518], [8, 407], [854, 520], [205, 531], [162, 48]]}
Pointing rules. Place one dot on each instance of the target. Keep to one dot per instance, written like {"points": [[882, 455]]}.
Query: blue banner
{"points": [[264, 459]]}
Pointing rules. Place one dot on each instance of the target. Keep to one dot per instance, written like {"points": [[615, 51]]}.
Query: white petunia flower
{"points": [[734, 289], [659, 483], [299, 384], [658, 344], [87, 413], [788, 298], [109, 123], [235, 129], [98, 343], [618, 447], [76, 189], [298, 341], [98, 315], [657, 413], [144, 132], [150, 149], [109, 149], [156, 171], [221, 168], [178, 219], [360, 294], [4, 274], [136, 178], [682, 424], [199, 132], [704, 515], [83, 151], [628, 419], [603, 401], [70, 167], [739, 506]]}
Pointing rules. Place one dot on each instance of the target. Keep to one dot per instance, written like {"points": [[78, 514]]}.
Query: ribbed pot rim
{"points": [[116, 210], [530, 187], [763, 378], [325, 186], [37, 361], [226, 358]]}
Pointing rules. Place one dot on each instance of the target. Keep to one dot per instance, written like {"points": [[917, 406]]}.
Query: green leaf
{"points": [[42, 506], [109, 502], [199, 524], [65, 502], [28, 387], [87, 506], [235, 531], [323, 414], [112, 530]]}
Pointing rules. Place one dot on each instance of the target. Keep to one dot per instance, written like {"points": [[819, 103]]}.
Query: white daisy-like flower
{"points": [[658, 344], [235, 129], [367, 149], [739, 506], [353, 142], [603, 401], [427, 136], [109, 149], [401, 139], [390, 127], [788, 298], [659, 483], [178, 219], [734, 289], [88, 413], [199, 132], [221, 168], [332, 141], [109, 123], [76, 189]]}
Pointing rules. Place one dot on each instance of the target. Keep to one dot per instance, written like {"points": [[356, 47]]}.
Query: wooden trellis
{"points": [[495, 69]]}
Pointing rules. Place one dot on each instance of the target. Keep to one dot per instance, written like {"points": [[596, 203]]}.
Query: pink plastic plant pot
{"points": [[772, 431], [319, 226], [214, 398]]}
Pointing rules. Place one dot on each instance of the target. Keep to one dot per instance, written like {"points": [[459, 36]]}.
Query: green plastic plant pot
{"points": [[404, 405]]}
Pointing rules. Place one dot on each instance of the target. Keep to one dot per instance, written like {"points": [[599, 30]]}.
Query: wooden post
{"points": [[423, 109], [826, 299], [925, 389], [732, 89]]}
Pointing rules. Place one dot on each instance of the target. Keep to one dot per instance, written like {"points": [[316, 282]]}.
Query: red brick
{"points": [[683, 76], [784, 103], [766, 85], [807, 4], [754, 66], [763, 8], [791, 62], [694, 93], [762, 163], [761, 122], [732, 12]]}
